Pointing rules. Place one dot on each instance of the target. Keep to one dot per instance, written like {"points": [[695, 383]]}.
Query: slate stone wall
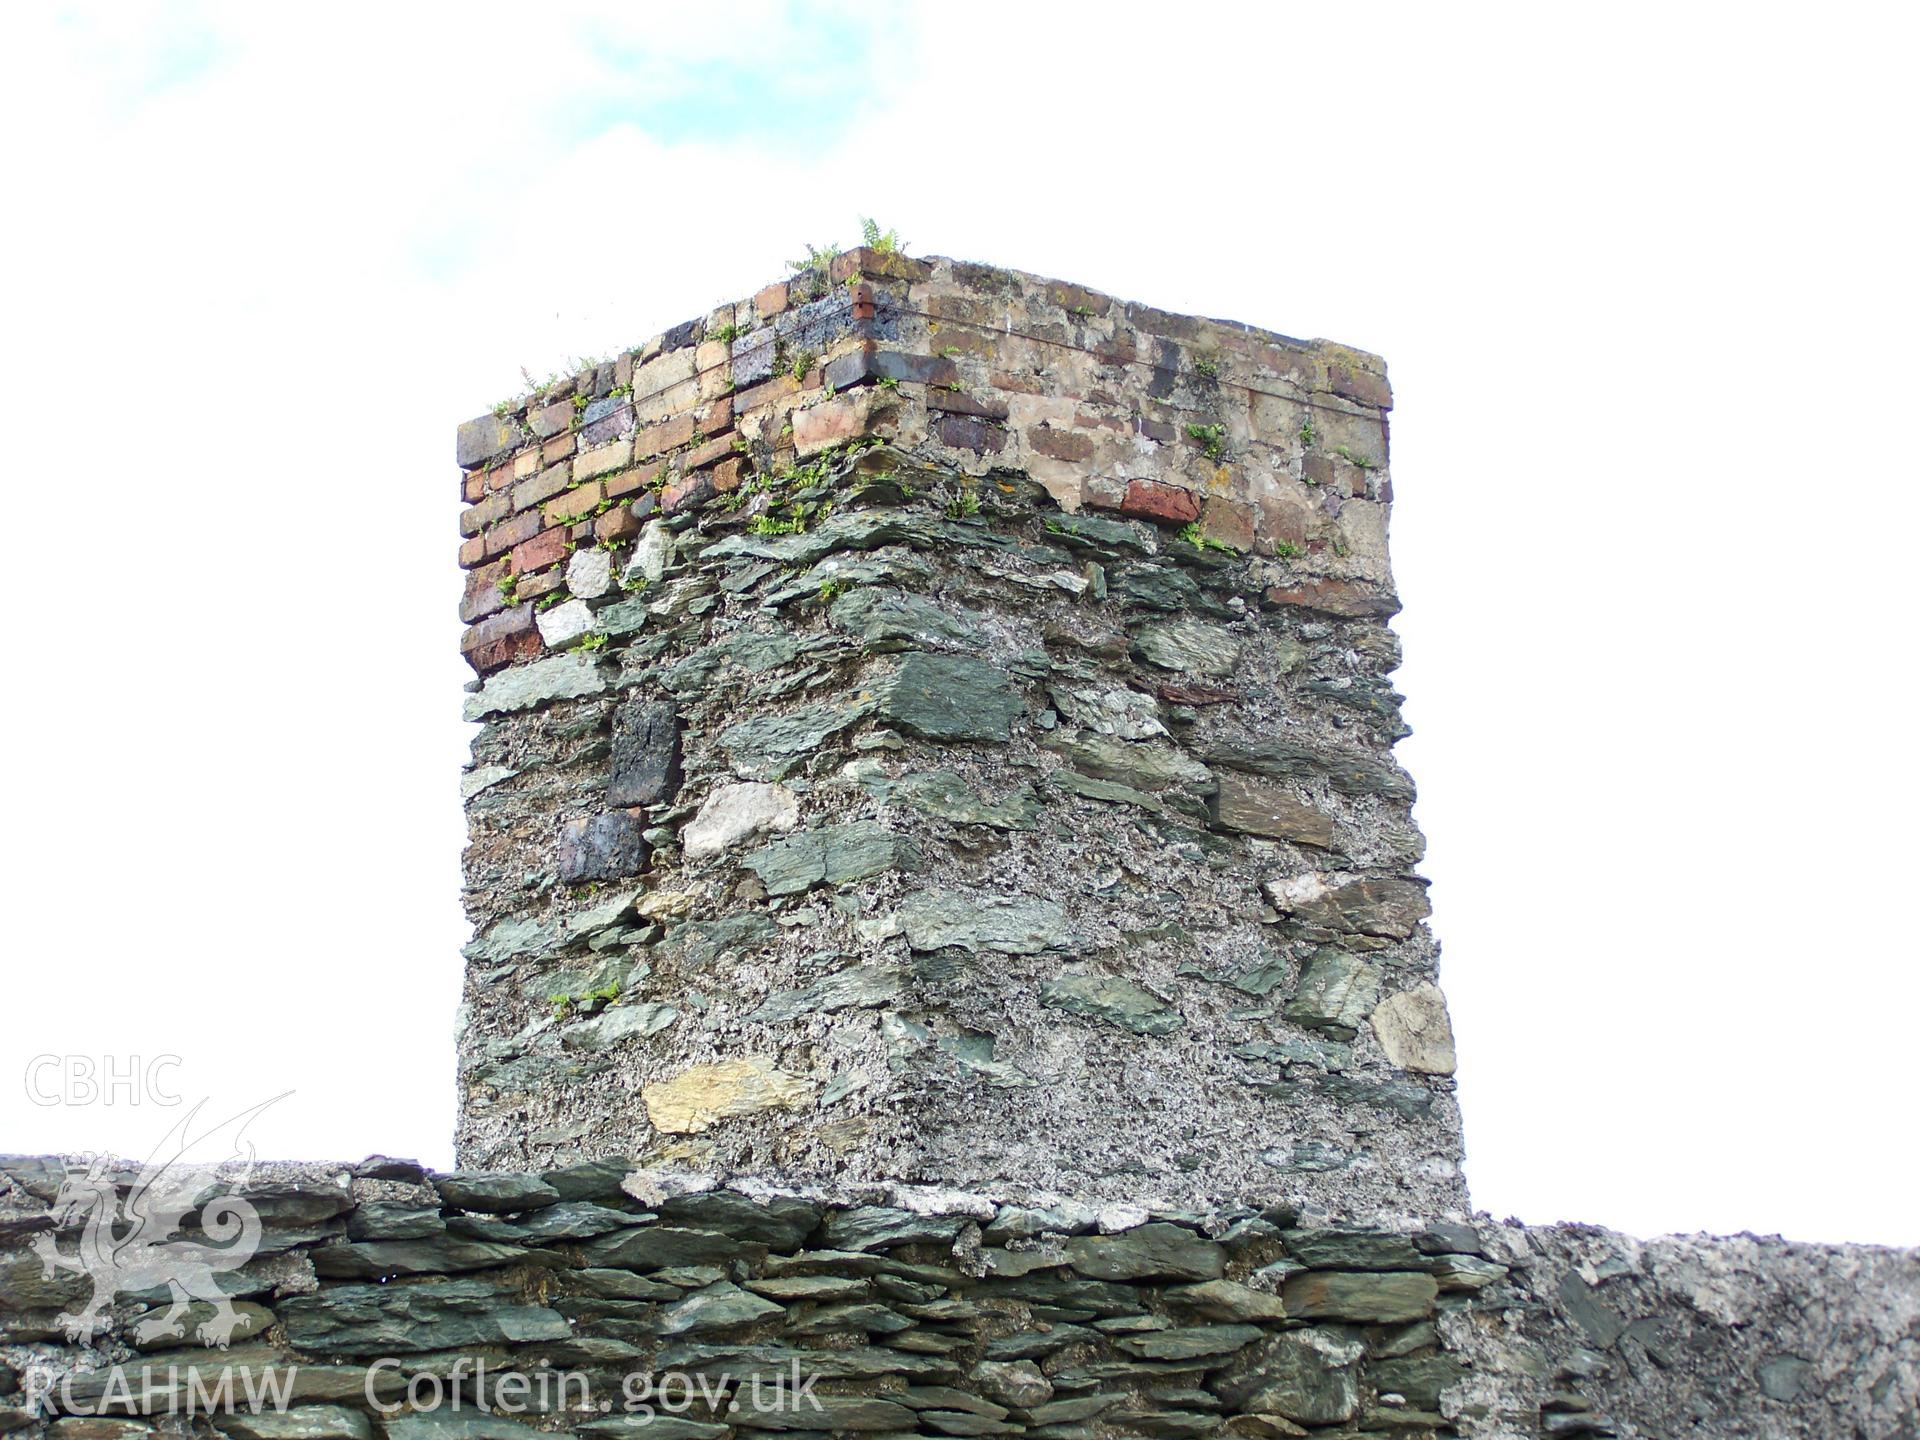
{"points": [[933, 1314], [943, 733]]}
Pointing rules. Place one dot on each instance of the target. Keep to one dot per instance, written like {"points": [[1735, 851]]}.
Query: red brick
{"points": [[1227, 522], [473, 486], [473, 551], [498, 654], [1346, 598], [501, 476], [970, 432], [771, 301], [667, 435], [509, 533], [718, 416], [628, 481], [500, 639], [616, 525], [727, 474], [558, 448], [1150, 500], [1061, 444], [579, 501], [828, 423], [549, 547], [544, 486]]}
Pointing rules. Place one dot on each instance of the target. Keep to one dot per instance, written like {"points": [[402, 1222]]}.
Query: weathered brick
{"points": [[558, 448], [544, 486], [476, 518], [623, 370], [473, 551], [1227, 522], [1060, 444], [482, 596], [687, 493], [532, 587], [667, 435], [617, 525], [923, 369], [565, 508], [602, 459], [1078, 298], [727, 474], [1347, 598], [499, 629], [547, 548], [549, 420], [771, 301], [473, 487], [484, 438], [673, 368], [828, 423], [959, 402], [525, 464], [498, 654], [628, 481], [707, 454], [1361, 385], [509, 533], [1150, 500], [970, 432], [890, 264]]}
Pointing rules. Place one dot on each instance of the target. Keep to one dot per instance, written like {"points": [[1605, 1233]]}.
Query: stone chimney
{"points": [[937, 727]]}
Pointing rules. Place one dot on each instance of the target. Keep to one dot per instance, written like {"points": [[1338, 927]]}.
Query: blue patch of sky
{"points": [[799, 84]]}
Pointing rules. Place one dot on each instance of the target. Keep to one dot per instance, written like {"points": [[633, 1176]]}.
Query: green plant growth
{"points": [[1212, 438], [1306, 431], [587, 644], [831, 590], [1192, 535], [507, 585], [963, 505], [886, 242], [1207, 368], [1352, 459], [1286, 549]]}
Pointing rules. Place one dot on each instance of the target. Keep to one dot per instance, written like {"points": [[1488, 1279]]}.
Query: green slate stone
{"points": [[717, 1307], [948, 697], [1156, 1251], [831, 855], [1118, 1002]]}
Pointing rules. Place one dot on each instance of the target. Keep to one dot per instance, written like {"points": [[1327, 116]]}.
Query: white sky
{"points": [[1644, 277]]}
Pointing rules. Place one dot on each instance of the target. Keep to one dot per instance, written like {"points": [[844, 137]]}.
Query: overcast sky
{"points": [[1644, 278]]}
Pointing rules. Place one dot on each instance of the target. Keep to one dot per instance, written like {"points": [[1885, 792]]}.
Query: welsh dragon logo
{"points": [[131, 1243]]}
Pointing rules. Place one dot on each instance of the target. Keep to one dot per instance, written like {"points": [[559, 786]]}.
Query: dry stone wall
{"points": [[382, 1300], [943, 732]]}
